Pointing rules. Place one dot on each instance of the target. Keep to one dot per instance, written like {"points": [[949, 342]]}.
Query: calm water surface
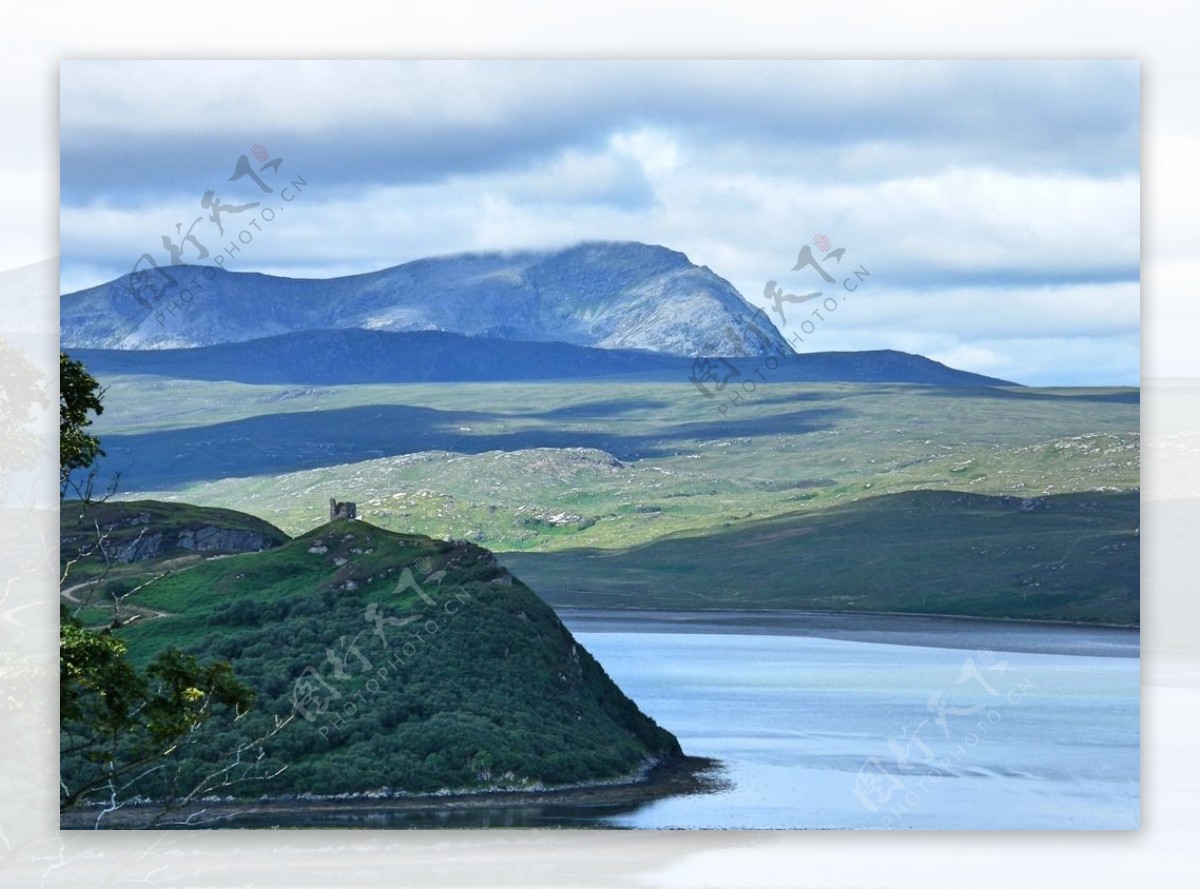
{"points": [[834, 733]]}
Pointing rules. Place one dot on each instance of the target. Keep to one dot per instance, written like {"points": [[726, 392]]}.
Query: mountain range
{"points": [[623, 295], [355, 356], [596, 310]]}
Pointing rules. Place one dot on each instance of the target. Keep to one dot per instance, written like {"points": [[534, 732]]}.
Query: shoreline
{"points": [[679, 775], [889, 628], [866, 613]]}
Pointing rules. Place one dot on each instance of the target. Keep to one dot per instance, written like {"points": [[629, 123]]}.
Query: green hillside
{"points": [[624, 494], [1069, 557], [423, 665]]}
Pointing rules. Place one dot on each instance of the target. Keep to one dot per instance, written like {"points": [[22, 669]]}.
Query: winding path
{"points": [[134, 611]]}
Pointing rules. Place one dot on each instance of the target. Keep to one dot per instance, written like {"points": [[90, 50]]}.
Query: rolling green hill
{"points": [[577, 484], [1070, 557], [416, 665]]}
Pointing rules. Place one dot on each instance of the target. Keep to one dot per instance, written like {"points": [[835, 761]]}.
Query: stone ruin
{"points": [[342, 509]]}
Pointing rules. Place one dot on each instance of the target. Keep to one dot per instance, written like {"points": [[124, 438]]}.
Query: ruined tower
{"points": [[342, 509]]}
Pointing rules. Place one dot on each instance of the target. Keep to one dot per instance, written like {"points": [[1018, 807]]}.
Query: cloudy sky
{"points": [[996, 205]]}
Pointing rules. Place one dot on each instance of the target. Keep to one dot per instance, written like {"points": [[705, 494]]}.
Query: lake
{"points": [[964, 725]]}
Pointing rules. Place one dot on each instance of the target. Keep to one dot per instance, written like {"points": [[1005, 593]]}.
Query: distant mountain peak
{"points": [[606, 294]]}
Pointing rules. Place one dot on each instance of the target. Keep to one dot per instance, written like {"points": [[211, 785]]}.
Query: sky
{"points": [[995, 205]]}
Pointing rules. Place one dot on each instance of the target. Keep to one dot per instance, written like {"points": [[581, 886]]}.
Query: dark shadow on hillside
{"points": [[823, 394], [589, 410], [1069, 557], [286, 443], [807, 421], [1133, 397]]}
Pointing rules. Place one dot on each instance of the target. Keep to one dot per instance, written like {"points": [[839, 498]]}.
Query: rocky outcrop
{"points": [[203, 539]]}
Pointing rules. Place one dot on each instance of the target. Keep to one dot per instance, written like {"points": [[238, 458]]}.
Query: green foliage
{"points": [[116, 720], [96, 682], [184, 689], [483, 687], [79, 396]]}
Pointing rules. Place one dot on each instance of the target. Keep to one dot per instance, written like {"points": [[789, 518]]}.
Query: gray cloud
{"points": [[362, 123]]}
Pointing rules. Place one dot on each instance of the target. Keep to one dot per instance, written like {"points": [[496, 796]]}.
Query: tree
{"points": [[79, 394], [123, 723], [119, 724]]}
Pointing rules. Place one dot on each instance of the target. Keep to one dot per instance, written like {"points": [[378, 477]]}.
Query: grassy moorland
{"points": [[611, 492]]}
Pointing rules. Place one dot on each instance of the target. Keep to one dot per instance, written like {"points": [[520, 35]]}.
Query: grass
{"points": [[1063, 558], [195, 595], [479, 460], [625, 471]]}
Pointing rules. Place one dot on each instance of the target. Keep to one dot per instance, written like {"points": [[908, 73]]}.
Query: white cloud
{"points": [[657, 152]]}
